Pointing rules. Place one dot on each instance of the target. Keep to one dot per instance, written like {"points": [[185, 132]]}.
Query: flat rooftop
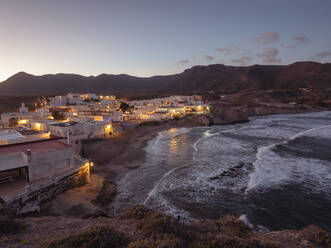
{"points": [[21, 130], [35, 147], [66, 124]]}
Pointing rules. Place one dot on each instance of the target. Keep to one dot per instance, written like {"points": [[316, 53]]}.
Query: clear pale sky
{"points": [[149, 37]]}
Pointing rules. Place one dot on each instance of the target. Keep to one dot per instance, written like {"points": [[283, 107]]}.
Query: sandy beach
{"points": [[115, 156]]}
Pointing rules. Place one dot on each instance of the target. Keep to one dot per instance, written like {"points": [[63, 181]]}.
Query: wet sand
{"points": [[117, 155], [113, 158]]}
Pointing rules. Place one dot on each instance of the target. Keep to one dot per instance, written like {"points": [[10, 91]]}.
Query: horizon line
{"points": [[158, 75]]}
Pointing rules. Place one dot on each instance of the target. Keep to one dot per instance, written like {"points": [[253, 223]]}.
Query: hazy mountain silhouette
{"points": [[217, 78]]}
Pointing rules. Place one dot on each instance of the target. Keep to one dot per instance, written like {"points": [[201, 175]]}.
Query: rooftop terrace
{"points": [[35, 147]]}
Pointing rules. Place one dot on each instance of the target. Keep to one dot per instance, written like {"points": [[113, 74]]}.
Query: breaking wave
{"points": [[253, 170]]}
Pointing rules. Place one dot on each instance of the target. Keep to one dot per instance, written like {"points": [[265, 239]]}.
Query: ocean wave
{"points": [[271, 169]]}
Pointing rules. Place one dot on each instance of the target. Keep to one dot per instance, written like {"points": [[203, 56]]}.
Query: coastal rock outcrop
{"points": [[222, 116], [201, 120]]}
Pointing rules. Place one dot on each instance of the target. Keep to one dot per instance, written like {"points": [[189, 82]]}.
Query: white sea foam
{"points": [[155, 190], [317, 132], [271, 169], [181, 162], [245, 219], [207, 135]]}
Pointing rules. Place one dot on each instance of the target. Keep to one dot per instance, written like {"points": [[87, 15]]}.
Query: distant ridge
{"points": [[198, 79]]}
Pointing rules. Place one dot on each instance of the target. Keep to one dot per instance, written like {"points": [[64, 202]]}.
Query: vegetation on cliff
{"points": [[155, 230]]}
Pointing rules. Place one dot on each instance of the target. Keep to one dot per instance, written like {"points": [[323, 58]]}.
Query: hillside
{"points": [[198, 79], [141, 227]]}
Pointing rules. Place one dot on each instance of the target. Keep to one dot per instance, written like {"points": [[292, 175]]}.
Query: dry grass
{"points": [[101, 236], [163, 242], [162, 228], [315, 235], [232, 242], [151, 229], [232, 226]]}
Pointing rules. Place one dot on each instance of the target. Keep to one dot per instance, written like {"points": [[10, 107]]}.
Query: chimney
{"points": [[28, 155], [69, 138]]}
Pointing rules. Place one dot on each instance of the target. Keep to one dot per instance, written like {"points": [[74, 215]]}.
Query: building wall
{"points": [[33, 198], [51, 164], [62, 131]]}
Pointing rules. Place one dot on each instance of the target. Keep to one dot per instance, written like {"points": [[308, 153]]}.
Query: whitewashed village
{"points": [[41, 151]]}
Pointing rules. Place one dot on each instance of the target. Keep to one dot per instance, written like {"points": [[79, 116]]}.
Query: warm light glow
{"points": [[108, 126], [89, 163], [51, 117], [46, 135], [21, 122], [97, 118], [37, 126]]}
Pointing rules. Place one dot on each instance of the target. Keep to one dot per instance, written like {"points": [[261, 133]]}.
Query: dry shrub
{"points": [[155, 224], [8, 225], [315, 235], [223, 241], [167, 241], [100, 236], [137, 212], [232, 226]]}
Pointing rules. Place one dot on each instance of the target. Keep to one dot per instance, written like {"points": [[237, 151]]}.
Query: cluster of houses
{"points": [[166, 108], [45, 145]]}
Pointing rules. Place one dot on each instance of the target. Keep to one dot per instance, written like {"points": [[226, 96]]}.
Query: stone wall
{"points": [[31, 201]]}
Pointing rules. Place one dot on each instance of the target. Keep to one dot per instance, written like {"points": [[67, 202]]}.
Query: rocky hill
{"points": [[144, 228], [198, 79]]}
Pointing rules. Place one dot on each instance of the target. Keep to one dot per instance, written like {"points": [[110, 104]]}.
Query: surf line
{"points": [[263, 149]]}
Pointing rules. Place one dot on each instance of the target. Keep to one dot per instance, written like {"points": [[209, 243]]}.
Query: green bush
{"points": [[100, 236]]}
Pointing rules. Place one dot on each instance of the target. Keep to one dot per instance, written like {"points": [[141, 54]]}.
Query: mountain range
{"points": [[198, 79]]}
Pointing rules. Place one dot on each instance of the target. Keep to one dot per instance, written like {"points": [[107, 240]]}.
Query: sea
{"points": [[273, 172]]}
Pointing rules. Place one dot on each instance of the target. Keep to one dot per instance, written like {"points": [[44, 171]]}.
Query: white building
{"points": [[21, 134], [58, 101], [29, 165]]}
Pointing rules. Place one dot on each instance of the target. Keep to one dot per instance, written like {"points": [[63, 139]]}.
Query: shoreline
{"points": [[114, 158], [118, 155], [74, 210]]}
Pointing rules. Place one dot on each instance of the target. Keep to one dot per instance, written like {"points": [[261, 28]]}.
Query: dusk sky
{"points": [[149, 37]]}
